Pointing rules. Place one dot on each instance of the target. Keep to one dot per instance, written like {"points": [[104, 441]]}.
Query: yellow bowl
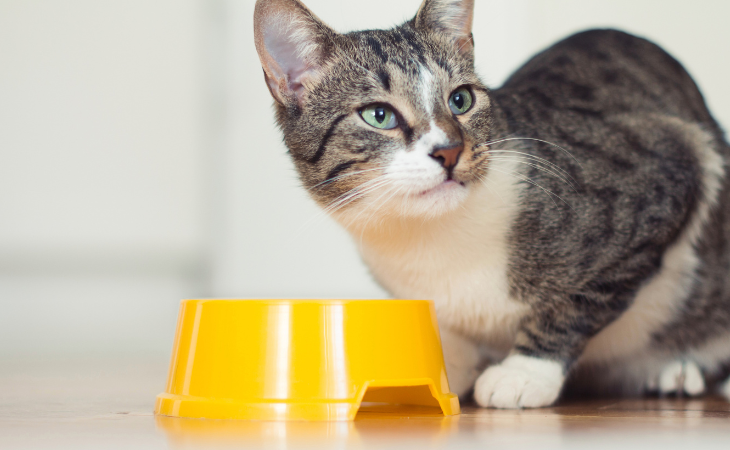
{"points": [[304, 359]]}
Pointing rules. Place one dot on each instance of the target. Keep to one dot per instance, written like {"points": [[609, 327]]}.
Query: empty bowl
{"points": [[304, 359]]}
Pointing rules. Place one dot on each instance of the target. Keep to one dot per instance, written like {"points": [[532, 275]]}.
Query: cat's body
{"points": [[482, 281], [596, 248]]}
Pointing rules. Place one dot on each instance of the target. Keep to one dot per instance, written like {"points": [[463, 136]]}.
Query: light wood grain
{"points": [[107, 403]]}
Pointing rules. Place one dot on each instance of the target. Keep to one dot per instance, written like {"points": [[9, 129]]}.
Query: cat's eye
{"points": [[379, 116], [460, 101]]}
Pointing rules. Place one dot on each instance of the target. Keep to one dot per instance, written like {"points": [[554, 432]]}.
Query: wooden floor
{"points": [[103, 403]]}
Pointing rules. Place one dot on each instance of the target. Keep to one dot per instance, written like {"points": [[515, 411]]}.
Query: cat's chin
{"points": [[434, 202], [444, 196]]}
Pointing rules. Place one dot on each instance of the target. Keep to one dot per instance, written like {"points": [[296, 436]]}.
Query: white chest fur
{"points": [[459, 261]]}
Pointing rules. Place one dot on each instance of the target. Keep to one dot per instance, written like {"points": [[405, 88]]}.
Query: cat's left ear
{"points": [[452, 18], [292, 44]]}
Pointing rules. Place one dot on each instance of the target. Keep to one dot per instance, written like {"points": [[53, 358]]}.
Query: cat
{"points": [[571, 226]]}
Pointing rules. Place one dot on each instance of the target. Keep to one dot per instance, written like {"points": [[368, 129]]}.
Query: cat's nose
{"points": [[447, 155]]}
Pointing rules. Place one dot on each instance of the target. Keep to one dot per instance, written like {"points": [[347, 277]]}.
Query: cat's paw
{"points": [[679, 377], [520, 382]]}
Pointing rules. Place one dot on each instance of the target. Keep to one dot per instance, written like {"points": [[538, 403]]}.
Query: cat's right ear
{"points": [[292, 44]]}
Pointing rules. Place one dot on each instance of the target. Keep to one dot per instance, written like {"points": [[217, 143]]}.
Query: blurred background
{"points": [[139, 161]]}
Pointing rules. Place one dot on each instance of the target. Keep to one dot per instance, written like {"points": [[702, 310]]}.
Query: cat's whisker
{"points": [[377, 207], [518, 156], [395, 191], [345, 175], [341, 202], [361, 186], [360, 194], [509, 139], [528, 180], [487, 184], [534, 183], [542, 160], [352, 194], [538, 167], [372, 214]]}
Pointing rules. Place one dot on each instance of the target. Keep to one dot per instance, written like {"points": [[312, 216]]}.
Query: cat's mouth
{"points": [[443, 188]]}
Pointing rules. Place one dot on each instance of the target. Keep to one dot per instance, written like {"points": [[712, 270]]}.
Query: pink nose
{"points": [[448, 156]]}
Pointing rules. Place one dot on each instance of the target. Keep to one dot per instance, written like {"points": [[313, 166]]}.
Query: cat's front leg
{"points": [[463, 361], [547, 344]]}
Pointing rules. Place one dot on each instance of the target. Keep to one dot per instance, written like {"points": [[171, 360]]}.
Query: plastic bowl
{"points": [[304, 359]]}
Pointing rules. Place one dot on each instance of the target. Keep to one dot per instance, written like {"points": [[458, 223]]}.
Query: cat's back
{"points": [[636, 137], [605, 72]]}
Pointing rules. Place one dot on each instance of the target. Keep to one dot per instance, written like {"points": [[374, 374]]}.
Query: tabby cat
{"points": [[571, 226]]}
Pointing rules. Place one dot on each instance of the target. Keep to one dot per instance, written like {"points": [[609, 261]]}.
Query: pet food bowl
{"points": [[304, 359]]}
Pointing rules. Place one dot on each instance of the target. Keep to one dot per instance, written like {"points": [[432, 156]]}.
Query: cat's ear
{"points": [[292, 44], [452, 18]]}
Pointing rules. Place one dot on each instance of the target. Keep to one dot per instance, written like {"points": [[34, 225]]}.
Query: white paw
{"points": [[679, 377], [520, 382], [462, 358]]}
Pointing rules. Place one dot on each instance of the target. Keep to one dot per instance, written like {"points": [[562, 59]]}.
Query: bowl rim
{"points": [[295, 301]]}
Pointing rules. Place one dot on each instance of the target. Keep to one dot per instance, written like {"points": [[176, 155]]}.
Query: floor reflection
{"points": [[374, 427], [572, 425]]}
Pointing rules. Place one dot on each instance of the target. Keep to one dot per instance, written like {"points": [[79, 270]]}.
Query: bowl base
{"points": [[378, 398]]}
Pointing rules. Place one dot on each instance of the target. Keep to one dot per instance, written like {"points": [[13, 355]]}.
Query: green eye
{"points": [[460, 101], [379, 116]]}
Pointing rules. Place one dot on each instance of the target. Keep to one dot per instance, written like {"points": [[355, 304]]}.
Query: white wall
{"points": [[139, 161], [101, 187], [100, 125]]}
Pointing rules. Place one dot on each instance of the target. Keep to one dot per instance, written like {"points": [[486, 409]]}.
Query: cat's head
{"points": [[379, 122]]}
